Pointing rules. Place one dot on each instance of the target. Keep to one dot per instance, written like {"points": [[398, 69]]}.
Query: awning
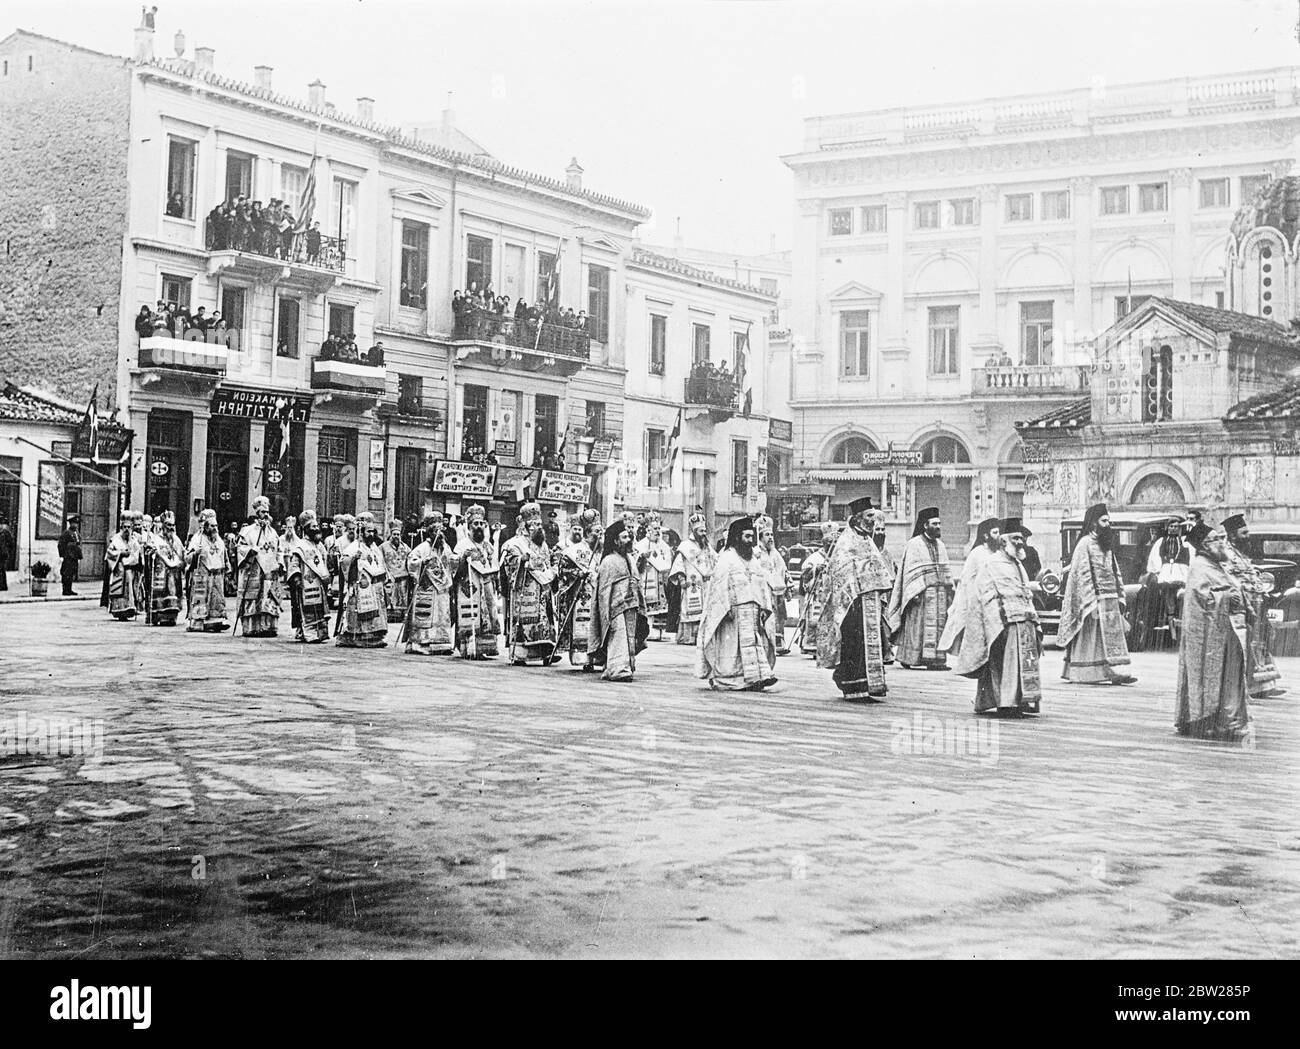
{"points": [[849, 475], [942, 471]]}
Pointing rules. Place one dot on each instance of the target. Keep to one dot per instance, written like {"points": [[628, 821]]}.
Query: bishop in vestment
{"points": [[1092, 625], [734, 648], [849, 638], [918, 606]]}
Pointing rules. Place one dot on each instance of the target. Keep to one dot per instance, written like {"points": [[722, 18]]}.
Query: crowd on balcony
{"points": [[244, 225], [710, 383], [480, 313], [1002, 360], [170, 321], [342, 347]]}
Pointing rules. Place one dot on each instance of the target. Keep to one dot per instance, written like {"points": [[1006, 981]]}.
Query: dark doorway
{"points": [[227, 482]]}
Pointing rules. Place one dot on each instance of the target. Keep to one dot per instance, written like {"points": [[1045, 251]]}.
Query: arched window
{"points": [[1158, 490], [849, 451], [944, 450], [1158, 385]]}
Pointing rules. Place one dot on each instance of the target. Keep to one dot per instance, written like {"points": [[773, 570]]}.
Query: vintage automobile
{"points": [[1134, 534], [1274, 548]]}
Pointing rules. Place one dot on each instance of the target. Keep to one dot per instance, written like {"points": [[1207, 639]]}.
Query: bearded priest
{"points": [[1092, 623], [735, 650]]}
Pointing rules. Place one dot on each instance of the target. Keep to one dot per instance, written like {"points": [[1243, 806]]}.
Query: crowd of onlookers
{"points": [[481, 313], [173, 321], [244, 225], [711, 383], [343, 347]]}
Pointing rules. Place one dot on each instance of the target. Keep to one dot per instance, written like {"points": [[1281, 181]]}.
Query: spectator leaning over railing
{"points": [[144, 322], [329, 349]]}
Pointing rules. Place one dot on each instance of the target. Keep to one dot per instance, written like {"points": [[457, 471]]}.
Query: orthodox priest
{"points": [[122, 560], [307, 566], [395, 553], [207, 565], [1262, 675], [619, 627], [1211, 696], [1092, 625], [656, 561], [1001, 641], [886, 644], [259, 573], [165, 563], [431, 566], [848, 634], [365, 606], [576, 566], [987, 543], [474, 589], [530, 611], [778, 578], [918, 606], [734, 650], [811, 592], [692, 568]]}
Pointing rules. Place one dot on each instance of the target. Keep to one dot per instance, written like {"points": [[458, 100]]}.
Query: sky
{"points": [[684, 106]]}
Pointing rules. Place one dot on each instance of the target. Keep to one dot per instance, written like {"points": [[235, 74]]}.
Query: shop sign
{"points": [[262, 405], [780, 430], [454, 477], [505, 448], [558, 487], [892, 456], [603, 450]]}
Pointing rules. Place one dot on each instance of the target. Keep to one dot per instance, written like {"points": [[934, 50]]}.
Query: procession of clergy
{"points": [[597, 596]]}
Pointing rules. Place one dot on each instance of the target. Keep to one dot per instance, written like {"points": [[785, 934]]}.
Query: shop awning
{"points": [[941, 471], [849, 475]]}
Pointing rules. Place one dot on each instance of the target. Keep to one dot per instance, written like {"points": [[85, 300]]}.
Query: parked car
{"points": [[1274, 548], [1134, 534]]}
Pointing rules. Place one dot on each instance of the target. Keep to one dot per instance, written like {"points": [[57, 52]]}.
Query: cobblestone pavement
{"points": [[249, 798]]}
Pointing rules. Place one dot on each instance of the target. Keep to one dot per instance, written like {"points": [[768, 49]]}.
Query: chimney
{"points": [[448, 118], [366, 109], [143, 44], [204, 57], [573, 175], [316, 94], [178, 42], [677, 237], [262, 77]]}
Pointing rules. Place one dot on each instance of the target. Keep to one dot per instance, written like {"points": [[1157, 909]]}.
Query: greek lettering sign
{"points": [[263, 405], [505, 447], [49, 501], [892, 456], [603, 450], [459, 478], [511, 480], [780, 430], [560, 487]]}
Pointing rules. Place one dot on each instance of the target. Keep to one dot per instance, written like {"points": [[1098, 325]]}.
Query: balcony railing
{"points": [[298, 249], [1021, 379], [348, 376], [716, 391], [550, 340], [162, 351]]}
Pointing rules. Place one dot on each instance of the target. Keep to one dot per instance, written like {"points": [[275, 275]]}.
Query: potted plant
{"points": [[40, 580]]}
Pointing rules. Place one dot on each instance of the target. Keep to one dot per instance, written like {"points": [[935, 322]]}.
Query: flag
{"points": [[552, 291], [749, 403], [307, 201], [282, 412], [670, 459], [91, 423]]}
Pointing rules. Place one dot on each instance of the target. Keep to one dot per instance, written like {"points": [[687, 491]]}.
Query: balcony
{"points": [[349, 377], [1031, 380], [521, 345], [269, 258], [716, 392], [164, 353]]}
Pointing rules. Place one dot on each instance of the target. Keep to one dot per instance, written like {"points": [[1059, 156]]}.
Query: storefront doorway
{"points": [[167, 479], [90, 497], [227, 480], [10, 492]]}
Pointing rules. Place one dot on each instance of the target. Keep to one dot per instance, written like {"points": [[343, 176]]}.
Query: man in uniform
{"points": [[918, 607], [849, 635], [734, 649], [1092, 625], [69, 555], [692, 566], [475, 589], [260, 570], [530, 611]]}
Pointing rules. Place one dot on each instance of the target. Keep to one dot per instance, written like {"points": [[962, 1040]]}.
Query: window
{"points": [[873, 218], [410, 394], [963, 212], [598, 302], [596, 418], [1114, 200], [942, 451], [30, 63], [850, 451], [1158, 385], [943, 340], [1056, 205], [293, 180], [415, 265], [925, 215], [855, 343], [343, 209], [548, 279], [1218, 300], [342, 319], [336, 472], [176, 290], [474, 431], [232, 308], [700, 335], [768, 285], [478, 262], [180, 178], [1252, 186], [1214, 192], [841, 222], [658, 343], [739, 467], [1020, 207], [239, 175], [546, 417], [4, 68], [1125, 304], [654, 453], [1036, 333], [1153, 197], [286, 328]]}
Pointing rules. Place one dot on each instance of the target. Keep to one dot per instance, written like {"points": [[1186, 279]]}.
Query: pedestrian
{"points": [[1001, 640], [619, 626], [734, 649], [306, 566], [692, 568], [69, 555], [431, 566], [1091, 627], [1262, 674], [475, 589], [260, 572], [530, 608], [849, 636], [918, 606], [1211, 690], [987, 543], [208, 565], [363, 571]]}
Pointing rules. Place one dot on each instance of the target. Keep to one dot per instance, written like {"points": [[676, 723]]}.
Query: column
{"points": [[987, 340], [1081, 210], [893, 330], [139, 458], [1180, 207], [310, 471]]}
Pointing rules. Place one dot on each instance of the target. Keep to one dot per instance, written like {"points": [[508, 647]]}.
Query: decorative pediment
{"points": [[602, 243], [855, 291], [418, 195]]}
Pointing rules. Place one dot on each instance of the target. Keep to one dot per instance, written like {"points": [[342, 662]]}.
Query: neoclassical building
{"points": [[1190, 405], [953, 267]]}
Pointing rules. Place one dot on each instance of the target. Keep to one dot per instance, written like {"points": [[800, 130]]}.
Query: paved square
{"points": [[246, 798]]}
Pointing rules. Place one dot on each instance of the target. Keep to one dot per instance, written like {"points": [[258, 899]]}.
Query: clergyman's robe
{"points": [[365, 605], [428, 628], [475, 595], [1212, 645], [398, 577], [1092, 624], [778, 579], [734, 650], [654, 579], [811, 600], [1001, 644], [530, 612], [967, 591], [918, 606], [208, 564], [307, 565], [260, 570], [693, 565], [122, 556], [166, 579], [1262, 674], [849, 638], [575, 591], [619, 626]]}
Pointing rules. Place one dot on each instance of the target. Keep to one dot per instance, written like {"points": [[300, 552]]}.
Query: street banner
{"points": [[454, 477], [560, 487]]}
